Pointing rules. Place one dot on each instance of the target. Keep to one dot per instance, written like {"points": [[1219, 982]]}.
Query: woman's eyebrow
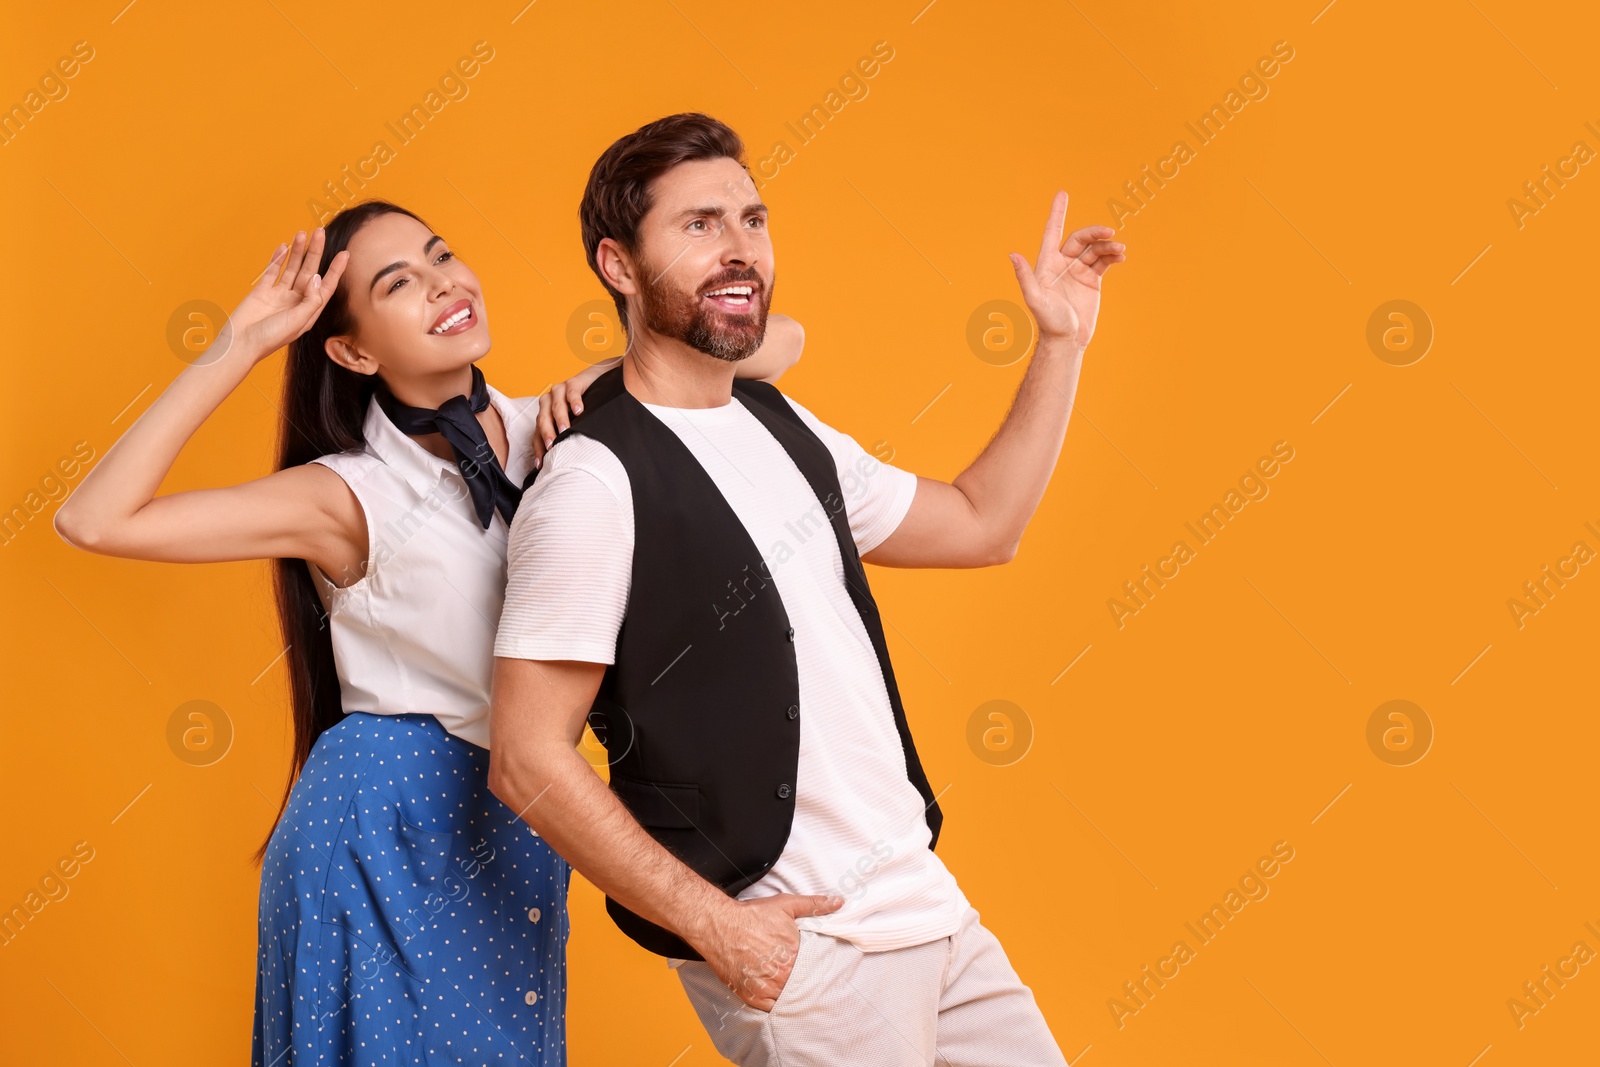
{"points": [[401, 264]]}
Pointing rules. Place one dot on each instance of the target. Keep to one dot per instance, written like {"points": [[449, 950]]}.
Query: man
{"points": [[685, 575]]}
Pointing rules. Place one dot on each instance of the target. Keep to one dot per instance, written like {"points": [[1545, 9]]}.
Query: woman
{"points": [[404, 909]]}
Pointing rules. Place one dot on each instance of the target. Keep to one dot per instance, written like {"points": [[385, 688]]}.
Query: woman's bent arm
{"points": [[304, 512]]}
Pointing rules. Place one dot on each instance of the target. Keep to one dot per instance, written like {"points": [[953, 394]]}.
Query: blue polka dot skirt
{"points": [[407, 915]]}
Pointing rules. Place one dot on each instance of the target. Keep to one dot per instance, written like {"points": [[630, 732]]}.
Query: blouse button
{"points": [[784, 791], [794, 711], [531, 997], [533, 917], [790, 634]]}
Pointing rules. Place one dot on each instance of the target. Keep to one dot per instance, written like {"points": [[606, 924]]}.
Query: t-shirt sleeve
{"points": [[569, 558], [877, 495]]}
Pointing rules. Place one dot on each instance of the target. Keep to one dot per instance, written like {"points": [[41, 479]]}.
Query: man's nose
{"points": [[741, 247]]}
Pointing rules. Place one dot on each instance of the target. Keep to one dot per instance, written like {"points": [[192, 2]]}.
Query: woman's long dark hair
{"points": [[324, 406]]}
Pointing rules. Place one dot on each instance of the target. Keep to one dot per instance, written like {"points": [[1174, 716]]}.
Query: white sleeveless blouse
{"points": [[416, 632]]}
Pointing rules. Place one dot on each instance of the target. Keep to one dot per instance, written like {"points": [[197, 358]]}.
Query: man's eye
{"points": [[701, 223]]}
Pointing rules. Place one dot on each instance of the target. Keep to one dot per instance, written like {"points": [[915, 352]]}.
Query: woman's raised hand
{"points": [[282, 306], [557, 407]]}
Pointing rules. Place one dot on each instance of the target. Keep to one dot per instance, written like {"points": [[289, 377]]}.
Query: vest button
{"points": [[790, 634], [784, 791], [794, 711]]}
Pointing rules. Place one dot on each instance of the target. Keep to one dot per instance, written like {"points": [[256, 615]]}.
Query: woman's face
{"points": [[415, 309]]}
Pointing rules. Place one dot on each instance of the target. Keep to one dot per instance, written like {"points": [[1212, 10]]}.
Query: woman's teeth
{"points": [[453, 320]]}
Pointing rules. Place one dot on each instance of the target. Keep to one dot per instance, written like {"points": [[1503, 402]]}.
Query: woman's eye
{"points": [[398, 283], [444, 256]]}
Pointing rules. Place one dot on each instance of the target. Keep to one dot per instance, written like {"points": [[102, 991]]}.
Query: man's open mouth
{"points": [[734, 298]]}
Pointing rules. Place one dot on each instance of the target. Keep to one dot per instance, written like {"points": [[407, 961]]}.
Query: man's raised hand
{"points": [[1062, 289]]}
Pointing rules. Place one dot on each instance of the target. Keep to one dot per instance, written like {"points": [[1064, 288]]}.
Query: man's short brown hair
{"points": [[617, 197]]}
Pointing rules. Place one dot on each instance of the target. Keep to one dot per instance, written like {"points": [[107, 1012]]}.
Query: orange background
{"points": [[1228, 714]]}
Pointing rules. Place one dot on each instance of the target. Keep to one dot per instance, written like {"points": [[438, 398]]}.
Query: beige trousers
{"points": [[954, 1002]]}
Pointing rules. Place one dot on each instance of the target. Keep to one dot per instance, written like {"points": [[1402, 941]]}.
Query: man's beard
{"points": [[683, 316]]}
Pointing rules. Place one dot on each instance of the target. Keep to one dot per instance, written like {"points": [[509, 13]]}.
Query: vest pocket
{"points": [[663, 805]]}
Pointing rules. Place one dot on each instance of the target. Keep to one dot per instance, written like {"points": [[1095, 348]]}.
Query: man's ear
{"points": [[617, 267], [343, 351]]}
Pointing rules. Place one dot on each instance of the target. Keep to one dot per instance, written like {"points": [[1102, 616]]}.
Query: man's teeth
{"points": [[453, 320], [733, 290]]}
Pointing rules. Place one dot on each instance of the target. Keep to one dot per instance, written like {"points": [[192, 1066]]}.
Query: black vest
{"points": [[700, 712]]}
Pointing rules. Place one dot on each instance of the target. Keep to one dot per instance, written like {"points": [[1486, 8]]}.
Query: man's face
{"points": [[705, 259]]}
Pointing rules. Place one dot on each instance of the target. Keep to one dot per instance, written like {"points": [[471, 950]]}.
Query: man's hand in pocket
{"points": [[752, 943]]}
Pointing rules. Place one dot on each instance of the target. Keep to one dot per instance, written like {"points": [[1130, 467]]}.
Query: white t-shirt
{"points": [[859, 826], [416, 632]]}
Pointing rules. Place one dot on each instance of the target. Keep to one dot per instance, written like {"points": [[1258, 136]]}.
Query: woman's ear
{"points": [[342, 350]]}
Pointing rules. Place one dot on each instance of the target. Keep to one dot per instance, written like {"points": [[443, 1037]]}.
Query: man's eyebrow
{"points": [[718, 210], [401, 264]]}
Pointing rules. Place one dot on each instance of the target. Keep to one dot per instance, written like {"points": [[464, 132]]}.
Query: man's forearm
{"points": [[1007, 481], [557, 793]]}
